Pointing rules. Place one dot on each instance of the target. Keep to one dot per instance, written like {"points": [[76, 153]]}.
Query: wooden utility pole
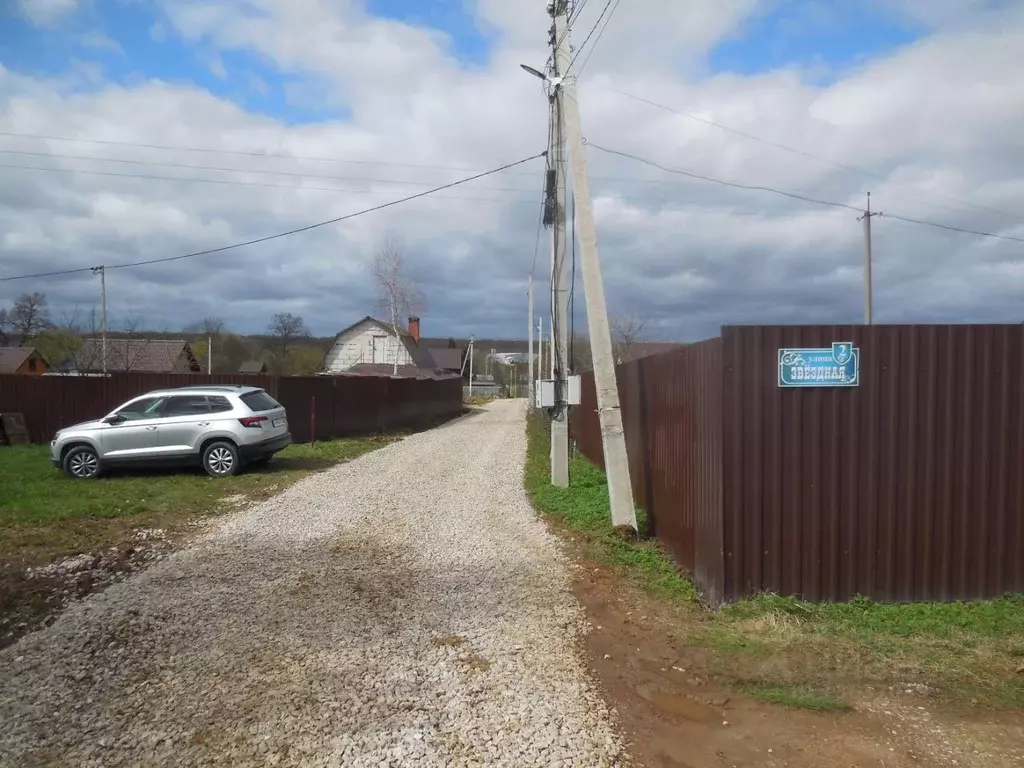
{"points": [[868, 287], [613, 438]]}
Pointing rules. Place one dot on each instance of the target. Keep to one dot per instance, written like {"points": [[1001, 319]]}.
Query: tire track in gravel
{"points": [[406, 608]]}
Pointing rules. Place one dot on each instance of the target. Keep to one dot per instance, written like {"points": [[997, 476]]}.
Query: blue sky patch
{"points": [[123, 43], [825, 38], [469, 43]]}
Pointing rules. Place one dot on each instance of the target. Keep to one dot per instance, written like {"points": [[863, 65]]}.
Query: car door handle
{"points": [[151, 429], [204, 424]]}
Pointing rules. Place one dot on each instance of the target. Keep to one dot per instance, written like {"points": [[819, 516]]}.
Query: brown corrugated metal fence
{"points": [[337, 405], [908, 487]]}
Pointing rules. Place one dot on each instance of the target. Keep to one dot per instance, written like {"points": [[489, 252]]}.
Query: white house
{"points": [[372, 342]]}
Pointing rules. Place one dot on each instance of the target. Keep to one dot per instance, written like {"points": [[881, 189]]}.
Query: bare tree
{"points": [[286, 329], [397, 292], [627, 330], [208, 326], [27, 318]]}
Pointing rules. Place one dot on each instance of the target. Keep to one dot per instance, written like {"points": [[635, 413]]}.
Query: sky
{"points": [[133, 130]]}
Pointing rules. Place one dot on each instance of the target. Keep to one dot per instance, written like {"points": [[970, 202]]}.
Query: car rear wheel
{"points": [[220, 459], [82, 463]]}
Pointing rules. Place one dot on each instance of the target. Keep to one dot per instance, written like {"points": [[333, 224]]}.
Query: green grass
{"points": [[793, 696], [863, 618], [45, 514], [583, 507], [969, 653]]}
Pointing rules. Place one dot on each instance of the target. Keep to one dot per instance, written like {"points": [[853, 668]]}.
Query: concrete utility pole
{"points": [[209, 355], [540, 342], [613, 438], [529, 314], [102, 272], [471, 366], [559, 277], [868, 287]]}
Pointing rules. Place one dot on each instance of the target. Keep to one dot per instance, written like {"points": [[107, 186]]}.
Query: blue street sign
{"points": [[835, 367]]}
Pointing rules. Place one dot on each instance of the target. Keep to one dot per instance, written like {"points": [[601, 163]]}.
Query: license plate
{"points": [[278, 422]]}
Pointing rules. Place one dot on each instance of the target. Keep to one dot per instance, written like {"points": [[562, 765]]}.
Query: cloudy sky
{"points": [[266, 115]]}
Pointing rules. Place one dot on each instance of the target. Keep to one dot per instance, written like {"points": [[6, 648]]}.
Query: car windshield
{"points": [[260, 401], [145, 408]]}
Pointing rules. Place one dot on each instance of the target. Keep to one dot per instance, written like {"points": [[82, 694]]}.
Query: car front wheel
{"points": [[82, 462], [220, 459]]}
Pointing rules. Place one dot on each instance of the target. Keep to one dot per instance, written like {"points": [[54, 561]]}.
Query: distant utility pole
{"points": [[868, 288], [529, 314], [540, 342], [209, 355], [102, 272], [609, 413]]}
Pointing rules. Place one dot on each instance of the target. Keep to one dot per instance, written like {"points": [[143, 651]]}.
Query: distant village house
{"points": [[22, 361], [369, 347], [133, 356]]}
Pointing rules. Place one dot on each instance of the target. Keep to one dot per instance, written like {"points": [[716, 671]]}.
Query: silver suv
{"points": [[220, 427]]}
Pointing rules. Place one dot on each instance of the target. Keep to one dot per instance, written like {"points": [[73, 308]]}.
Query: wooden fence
{"points": [[318, 406], [907, 487]]}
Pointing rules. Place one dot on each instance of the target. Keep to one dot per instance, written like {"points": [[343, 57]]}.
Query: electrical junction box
{"points": [[545, 390], [573, 391]]}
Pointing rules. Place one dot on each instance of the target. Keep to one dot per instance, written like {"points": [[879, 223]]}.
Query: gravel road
{"points": [[403, 609]]}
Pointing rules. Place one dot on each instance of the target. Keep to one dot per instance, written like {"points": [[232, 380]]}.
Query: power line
{"points": [[576, 11], [254, 171], [281, 234], [712, 179], [589, 35], [598, 40], [817, 201], [298, 187], [270, 172], [802, 153], [950, 228], [276, 156]]}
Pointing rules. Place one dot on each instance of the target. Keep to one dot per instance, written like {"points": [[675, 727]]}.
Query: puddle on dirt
{"points": [[679, 706]]}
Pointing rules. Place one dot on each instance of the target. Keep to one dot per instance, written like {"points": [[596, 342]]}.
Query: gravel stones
{"points": [[406, 608]]}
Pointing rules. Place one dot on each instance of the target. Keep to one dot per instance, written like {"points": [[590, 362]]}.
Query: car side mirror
{"points": [[114, 418]]}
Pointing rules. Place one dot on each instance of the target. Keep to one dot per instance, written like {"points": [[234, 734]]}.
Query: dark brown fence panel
{"points": [[671, 408], [330, 406], [907, 487]]}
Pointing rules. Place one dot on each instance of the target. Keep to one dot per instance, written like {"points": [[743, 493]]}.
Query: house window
{"points": [[32, 365]]}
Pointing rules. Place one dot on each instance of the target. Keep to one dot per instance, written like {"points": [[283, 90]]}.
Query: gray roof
{"points": [[448, 359], [141, 355], [404, 371], [11, 358], [252, 366]]}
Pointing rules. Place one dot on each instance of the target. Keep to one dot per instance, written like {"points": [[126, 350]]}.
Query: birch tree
{"points": [[397, 292]]}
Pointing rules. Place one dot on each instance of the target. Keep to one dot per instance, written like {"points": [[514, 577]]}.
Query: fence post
{"points": [[312, 420]]}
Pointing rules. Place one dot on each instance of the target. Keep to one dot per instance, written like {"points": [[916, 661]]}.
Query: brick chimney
{"points": [[414, 329]]}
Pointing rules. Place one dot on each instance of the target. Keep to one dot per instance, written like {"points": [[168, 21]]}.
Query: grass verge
{"points": [[793, 696], [583, 508], [45, 515], [790, 652]]}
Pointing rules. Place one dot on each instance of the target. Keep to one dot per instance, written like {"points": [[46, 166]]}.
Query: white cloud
{"points": [[935, 121], [47, 12]]}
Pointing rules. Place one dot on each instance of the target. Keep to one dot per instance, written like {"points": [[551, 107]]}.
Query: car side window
{"points": [[188, 405], [219, 404], [146, 408]]}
